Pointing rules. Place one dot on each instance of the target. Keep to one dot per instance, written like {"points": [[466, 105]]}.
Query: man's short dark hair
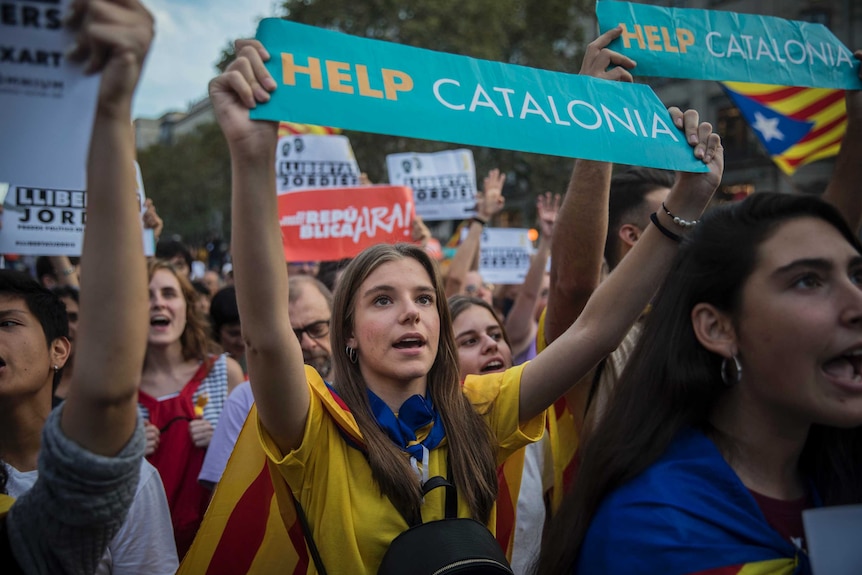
{"points": [[627, 204], [223, 310], [67, 291], [169, 249], [41, 302]]}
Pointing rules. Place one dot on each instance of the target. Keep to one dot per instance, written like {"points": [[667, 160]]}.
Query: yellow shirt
{"points": [[352, 522], [6, 502]]}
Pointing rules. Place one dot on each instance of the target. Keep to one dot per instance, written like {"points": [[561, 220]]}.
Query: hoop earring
{"points": [[730, 379], [351, 353]]}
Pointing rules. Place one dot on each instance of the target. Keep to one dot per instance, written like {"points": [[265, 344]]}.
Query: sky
{"points": [[190, 35]]}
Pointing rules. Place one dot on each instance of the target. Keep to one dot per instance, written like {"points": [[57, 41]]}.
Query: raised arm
{"points": [[100, 412], [520, 323], [582, 225], [577, 255], [619, 300], [843, 189], [273, 354], [488, 203]]}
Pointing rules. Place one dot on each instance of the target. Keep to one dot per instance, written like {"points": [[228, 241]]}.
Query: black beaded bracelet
{"points": [[669, 234], [479, 221]]}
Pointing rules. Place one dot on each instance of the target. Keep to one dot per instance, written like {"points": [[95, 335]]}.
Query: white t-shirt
{"points": [[536, 479], [144, 545]]}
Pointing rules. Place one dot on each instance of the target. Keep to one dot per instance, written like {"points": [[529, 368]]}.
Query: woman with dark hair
{"points": [[358, 451], [739, 408], [183, 389]]}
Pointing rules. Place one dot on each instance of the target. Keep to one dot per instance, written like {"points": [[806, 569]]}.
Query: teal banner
{"points": [[333, 79], [728, 47]]}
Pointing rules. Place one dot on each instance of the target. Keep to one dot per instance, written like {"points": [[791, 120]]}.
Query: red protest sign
{"points": [[334, 223]]}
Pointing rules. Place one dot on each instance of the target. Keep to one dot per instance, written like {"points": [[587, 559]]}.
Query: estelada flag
{"points": [[335, 223], [796, 125], [292, 128]]}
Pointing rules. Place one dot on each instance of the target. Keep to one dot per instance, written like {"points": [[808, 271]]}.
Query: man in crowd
{"points": [[310, 309]]}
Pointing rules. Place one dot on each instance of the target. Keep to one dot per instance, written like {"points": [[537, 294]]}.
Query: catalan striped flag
{"points": [[291, 128], [796, 125], [244, 531], [563, 429]]}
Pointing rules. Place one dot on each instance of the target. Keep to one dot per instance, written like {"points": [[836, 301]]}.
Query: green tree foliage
{"points": [[189, 181]]}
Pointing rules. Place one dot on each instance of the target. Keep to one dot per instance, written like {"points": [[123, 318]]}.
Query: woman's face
{"points": [[799, 329], [167, 309], [481, 346], [396, 326]]}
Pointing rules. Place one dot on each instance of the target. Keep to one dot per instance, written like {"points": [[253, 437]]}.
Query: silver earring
{"points": [[351, 353], [731, 379], [56, 368]]}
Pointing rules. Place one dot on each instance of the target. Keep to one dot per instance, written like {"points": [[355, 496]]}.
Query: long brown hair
{"points": [[471, 451], [195, 340], [672, 382]]}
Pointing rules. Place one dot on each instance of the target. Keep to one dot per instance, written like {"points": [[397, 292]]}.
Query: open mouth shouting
{"points": [[410, 341], [160, 321], [846, 369], [494, 364]]}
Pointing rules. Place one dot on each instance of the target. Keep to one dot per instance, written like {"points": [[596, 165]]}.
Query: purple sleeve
{"points": [[230, 423]]}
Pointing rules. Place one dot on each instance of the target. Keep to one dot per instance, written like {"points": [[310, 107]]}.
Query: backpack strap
{"points": [[309, 539], [451, 509]]}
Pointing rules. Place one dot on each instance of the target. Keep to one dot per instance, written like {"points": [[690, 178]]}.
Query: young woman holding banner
{"points": [[355, 453]]}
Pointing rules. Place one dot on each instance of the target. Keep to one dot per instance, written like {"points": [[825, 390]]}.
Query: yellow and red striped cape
{"points": [[563, 440], [244, 531]]}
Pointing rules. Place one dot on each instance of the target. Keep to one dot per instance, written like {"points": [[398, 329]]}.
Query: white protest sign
{"points": [[504, 255], [48, 104], [444, 183], [149, 237], [310, 161], [51, 222], [832, 535], [43, 221]]}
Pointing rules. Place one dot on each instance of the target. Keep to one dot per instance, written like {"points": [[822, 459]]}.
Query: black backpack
{"points": [[451, 545]]}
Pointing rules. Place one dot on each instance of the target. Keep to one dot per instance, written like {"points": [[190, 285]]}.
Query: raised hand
{"points": [[698, 187], [490, 201], [113, 37], [243, 84], [151, 219], [598, 58], [547, 208]]}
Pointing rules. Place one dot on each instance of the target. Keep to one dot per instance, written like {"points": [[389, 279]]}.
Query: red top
{"points": [[785, 516], [178, 460]]}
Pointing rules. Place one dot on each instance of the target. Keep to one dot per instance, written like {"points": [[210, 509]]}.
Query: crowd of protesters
{"points": [[668, 395]]}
